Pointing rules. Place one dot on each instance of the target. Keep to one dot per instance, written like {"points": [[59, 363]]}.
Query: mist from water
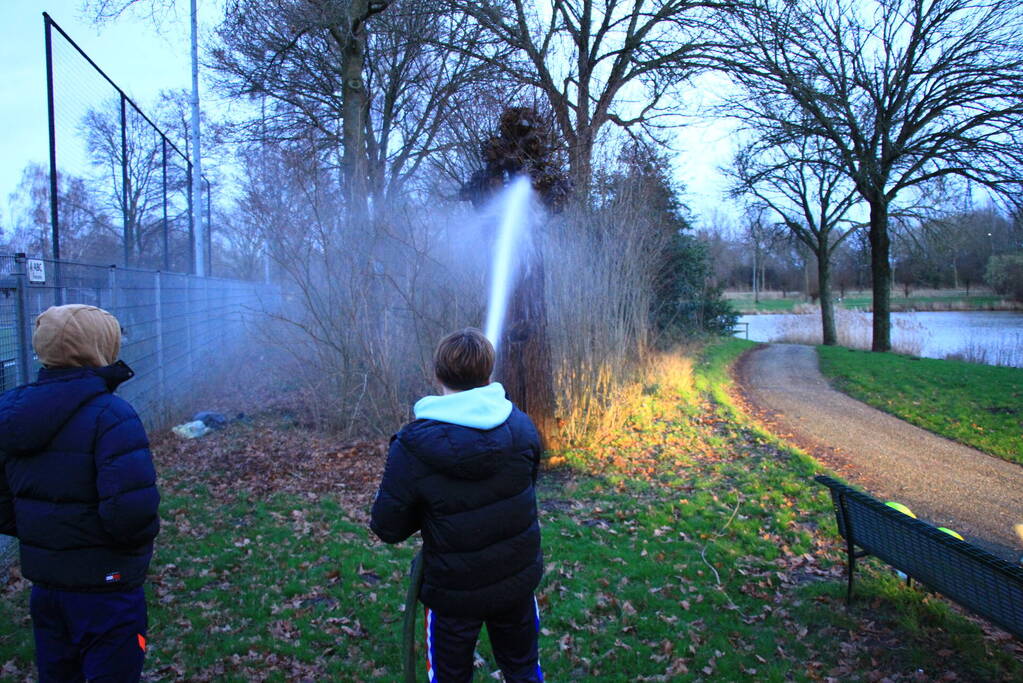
{"points": [[511, 237]]}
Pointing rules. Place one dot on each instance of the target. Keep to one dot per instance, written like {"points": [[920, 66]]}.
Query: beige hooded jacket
{"points": [[76, 336]]}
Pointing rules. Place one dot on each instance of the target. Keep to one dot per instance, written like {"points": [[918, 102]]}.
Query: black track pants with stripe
{"points": [[97, 637], [451, 641]]}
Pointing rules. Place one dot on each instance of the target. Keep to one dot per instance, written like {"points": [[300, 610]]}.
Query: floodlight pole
{"points": [[197, 203]]}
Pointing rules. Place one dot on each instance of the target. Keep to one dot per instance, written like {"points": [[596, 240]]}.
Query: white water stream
{"points": [[511, 237]]}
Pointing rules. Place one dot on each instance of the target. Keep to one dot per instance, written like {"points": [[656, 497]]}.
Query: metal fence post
{"points": [[191, 221], [54, 196], [24, 337], [209, 229], [166, 242], [124, 182], [54, 223], [189, 316], [160, 370], [207, 335], [112, 286]]}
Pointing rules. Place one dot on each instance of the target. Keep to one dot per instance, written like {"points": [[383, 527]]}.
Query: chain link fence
{"points": [[178, 329]]}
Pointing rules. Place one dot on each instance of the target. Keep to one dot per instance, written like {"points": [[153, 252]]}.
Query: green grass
{"points": [[774, 305], [974, 301], [689, 546], [744, 303], [978, 405]]}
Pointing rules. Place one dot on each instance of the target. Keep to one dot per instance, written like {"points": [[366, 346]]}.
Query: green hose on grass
{"points": [[411, 615]]}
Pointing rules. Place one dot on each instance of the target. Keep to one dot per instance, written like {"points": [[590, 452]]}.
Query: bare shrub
{"points": [[365, 304], [599, 296]]}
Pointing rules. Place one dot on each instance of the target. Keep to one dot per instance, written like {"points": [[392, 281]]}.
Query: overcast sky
{"points": [[144, 62]]}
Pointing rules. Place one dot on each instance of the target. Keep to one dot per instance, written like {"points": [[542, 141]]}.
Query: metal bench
{"points": [[972, 577]]}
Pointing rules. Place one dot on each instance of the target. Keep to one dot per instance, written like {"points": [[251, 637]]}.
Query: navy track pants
{"points": [[98, 637], [451, 641]]}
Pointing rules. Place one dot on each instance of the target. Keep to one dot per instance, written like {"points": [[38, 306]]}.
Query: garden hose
{"points": [[411, 614]]}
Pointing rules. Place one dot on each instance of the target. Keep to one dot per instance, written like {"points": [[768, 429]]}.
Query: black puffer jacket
{"points": [[471, 491], [77, 484]]}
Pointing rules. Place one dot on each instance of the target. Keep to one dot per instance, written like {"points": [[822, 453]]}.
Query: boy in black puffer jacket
{"points": [[464, 473], [78, 489]]}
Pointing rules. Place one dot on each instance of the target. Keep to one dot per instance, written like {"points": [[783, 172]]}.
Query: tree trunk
{"points": [[828, 334], [353, 61], [524, 355], [756, 292], [881, 275], [580, 163], [806, 276]]}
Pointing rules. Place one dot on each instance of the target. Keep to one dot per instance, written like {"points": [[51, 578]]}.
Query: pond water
{"points": [[993, 337]]}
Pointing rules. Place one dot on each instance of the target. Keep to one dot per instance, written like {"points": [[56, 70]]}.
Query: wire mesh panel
{"points": [[180, 227], [177, 329], [137, 311], [8, 323], [87, 137], [120, 184]]}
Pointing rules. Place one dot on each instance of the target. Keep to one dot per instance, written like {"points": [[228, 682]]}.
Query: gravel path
{"points": [[943, 482]]}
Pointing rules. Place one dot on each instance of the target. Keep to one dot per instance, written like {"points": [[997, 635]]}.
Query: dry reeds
{"points": [[1009, 352], [599, 298], [854, 330]]}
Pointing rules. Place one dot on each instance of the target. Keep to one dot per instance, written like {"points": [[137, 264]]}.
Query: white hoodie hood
{"points": [[479, 408]]}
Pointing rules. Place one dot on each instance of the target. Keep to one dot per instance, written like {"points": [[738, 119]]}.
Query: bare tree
{"points": [[86, 232], [310, 64], [307, 57], [128, 151], [953, 248], [904, 91], [109, 10], [596, 62], [762, 235], [420, 93], [158, 10], [365, 308], [809, 196]]}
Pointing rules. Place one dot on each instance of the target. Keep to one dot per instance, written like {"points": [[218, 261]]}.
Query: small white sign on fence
{"points": [[36, 271]]}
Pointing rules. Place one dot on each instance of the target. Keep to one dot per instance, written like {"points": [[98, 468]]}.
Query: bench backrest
{"points": [[976, 579]]}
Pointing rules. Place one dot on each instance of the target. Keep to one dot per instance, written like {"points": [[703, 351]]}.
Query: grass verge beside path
{"points": [[688, 546], [978, 405]]}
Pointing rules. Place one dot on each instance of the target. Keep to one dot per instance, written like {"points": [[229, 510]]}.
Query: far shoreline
{"points": [[929, 301]]}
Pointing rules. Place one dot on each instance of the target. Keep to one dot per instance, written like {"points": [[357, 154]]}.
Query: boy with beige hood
{"points": [[78, 489]]}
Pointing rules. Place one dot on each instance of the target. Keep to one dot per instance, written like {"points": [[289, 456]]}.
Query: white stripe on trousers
{"points": [[429, 645]]}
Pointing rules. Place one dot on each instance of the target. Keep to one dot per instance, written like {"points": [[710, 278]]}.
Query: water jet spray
{"points": [[510, 238]]}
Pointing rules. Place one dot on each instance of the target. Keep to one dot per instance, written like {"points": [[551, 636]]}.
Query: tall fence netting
{"points": [[123, 177]]}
